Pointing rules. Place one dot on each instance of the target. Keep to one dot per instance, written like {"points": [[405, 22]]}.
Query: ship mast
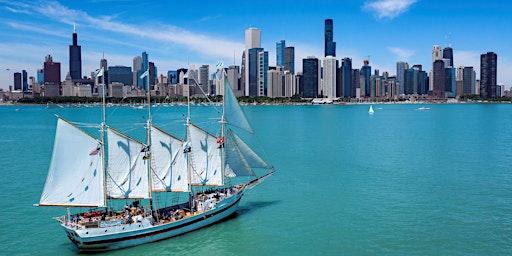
{"points": [[103, 130], [148, 132]]}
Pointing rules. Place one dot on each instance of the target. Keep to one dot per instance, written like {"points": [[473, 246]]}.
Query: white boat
{"points": [[101, 175], [370, 111], [423, 108]]}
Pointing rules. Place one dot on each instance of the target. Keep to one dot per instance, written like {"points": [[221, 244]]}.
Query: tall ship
{"points": [[96, 177]]}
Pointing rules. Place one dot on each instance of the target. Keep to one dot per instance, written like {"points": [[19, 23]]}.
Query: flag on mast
{"points": [[98, 72], [145, 74]]}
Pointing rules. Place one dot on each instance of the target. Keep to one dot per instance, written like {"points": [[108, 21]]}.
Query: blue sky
{"points": [[178, 33]]}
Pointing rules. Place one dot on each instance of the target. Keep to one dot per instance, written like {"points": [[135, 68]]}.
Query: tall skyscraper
{"points": [[439, 79], [51, 71], [401, 66], [280, 53], [75, 58], [137, 67], [289, 59], [24, 80], [329, 77], [365, 73], [346, 78], [17, 81], [488, 74], [252, 41], [468, 80], [204, 78], [437, 53], [330, 45], [448, 54], [310, 77]]}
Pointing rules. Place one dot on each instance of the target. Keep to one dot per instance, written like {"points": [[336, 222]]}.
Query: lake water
{"points": [[402, 181]]}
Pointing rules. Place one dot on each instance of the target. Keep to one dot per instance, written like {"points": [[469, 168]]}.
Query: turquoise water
{"points": [[399, 182]]}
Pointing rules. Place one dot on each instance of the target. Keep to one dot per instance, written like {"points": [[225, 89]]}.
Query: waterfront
{"points": [[399, 182]]}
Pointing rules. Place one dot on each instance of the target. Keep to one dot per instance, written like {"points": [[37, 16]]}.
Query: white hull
{"points": [[127, 235]]}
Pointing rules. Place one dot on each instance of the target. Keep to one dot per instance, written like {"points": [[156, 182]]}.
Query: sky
{"points": [[177, 34]]}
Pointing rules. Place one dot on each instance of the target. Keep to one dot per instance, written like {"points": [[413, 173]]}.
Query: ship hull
{"points": [[128, 235]]}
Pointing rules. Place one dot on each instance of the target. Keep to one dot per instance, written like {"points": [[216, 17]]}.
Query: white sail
{"points": [[169, 169], [75, 176], [240, 158], [127, 175], [233, 113], [204, 158], [370, 111]]}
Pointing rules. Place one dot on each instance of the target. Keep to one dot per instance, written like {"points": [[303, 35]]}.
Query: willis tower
{"points": [[75, 58]]}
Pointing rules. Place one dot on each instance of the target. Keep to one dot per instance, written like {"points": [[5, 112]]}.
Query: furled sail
{"points": [[204, 158], [75, 176], [127, 175], [240, 158], [169, 169], [233, 112]]}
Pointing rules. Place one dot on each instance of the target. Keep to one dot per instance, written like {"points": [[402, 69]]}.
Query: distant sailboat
{"points": [[370, 111]]}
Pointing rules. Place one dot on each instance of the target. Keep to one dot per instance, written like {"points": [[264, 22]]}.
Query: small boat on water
{"points": [[423, 108], [370, 111], [211, 172]]}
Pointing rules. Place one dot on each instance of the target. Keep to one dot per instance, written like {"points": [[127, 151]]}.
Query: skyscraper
{"points": [[17, 81], [401, 66], [51, 71], [310, 77], [448, 54], [468, 80], [280, 53], [330, 45], [204, 78], [329, 75], [252, 41], [137, 66], [439, 79], [75, 58], [346, 78], [437, 53], [488, 74], [120, 74], [365, 73], [289, 59]]}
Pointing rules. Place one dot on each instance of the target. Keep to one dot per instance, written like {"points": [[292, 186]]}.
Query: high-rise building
{"points": [[289, 59], [437, 53], [365, 73], [488, 74], [120, 74], [137, 67], [172, 76], [75, 58], [468, 80], [439, 78], [17, 81], [401, 66], [330, 45], [24, 80], [262, 73], [310, 77], [252, 41], [40, 78], [104, 66], [204, 79], [280, 53], [448, 54], [51, 71], [233, 74], [252, 85], [346, 78], [329, 77]]}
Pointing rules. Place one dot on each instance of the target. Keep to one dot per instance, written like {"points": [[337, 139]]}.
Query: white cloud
{"points": [[388, 8], [401, 54]]}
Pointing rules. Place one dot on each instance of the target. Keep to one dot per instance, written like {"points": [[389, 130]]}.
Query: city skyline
{"points": [[383, 31]]}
